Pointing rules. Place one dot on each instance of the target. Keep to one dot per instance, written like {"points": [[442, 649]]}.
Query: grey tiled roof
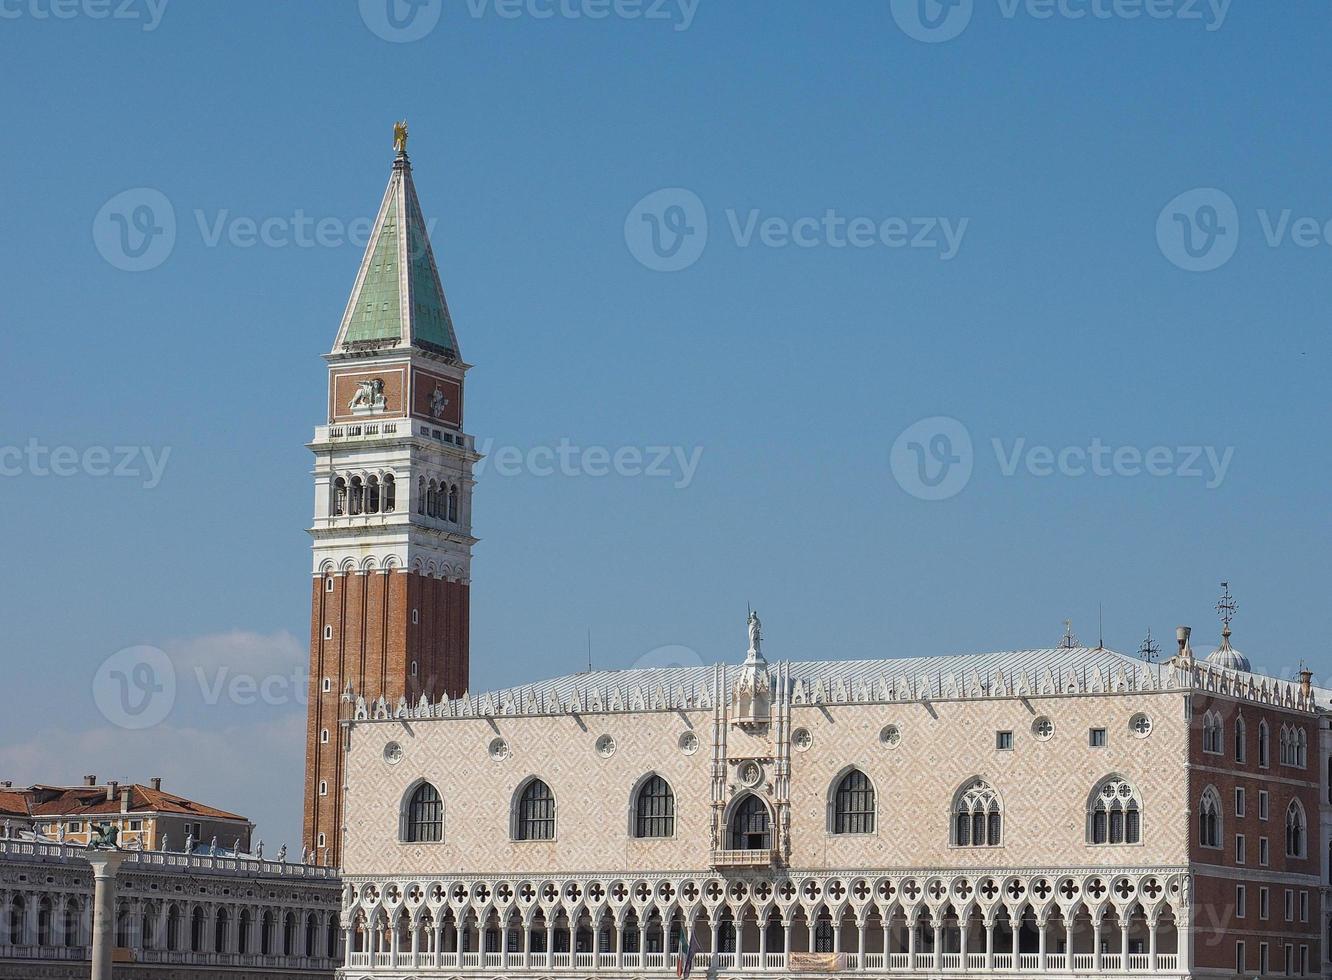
{"points": [[1060, 661]]}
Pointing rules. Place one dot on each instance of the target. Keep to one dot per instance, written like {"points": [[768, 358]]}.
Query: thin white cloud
{"points": [[240, 651]]}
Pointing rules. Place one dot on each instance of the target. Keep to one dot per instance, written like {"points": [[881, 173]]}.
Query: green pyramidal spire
{"points": [[398, 299]]}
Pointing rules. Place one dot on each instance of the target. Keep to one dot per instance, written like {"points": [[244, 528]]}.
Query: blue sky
{"points": [[1060, 321]]}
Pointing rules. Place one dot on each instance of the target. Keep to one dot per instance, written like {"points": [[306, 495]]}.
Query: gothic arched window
{"points": [[1263, 748], [425, 817], [535, 817], [654, 809], [1301, 748], [1209, 819], [1115, 814], [1241, 734], [1213, 735], [1296, 836], [977, 816], [751, 826], [853, 805]]}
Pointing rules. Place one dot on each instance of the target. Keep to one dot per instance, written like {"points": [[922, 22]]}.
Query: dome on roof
{"points": [[1227, 657]]}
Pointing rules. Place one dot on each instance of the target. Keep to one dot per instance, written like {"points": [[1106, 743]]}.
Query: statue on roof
{"points": [[400, 137], [755, 634], [104, 837]]}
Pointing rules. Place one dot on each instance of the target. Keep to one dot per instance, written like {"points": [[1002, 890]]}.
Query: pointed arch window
{"points": [[1296, 831], [853, 805], [751, 826], [654, 809], [977, 816], [1301, 748], [1209, 819], [1213, 733], [1284, 746], [535, 817], [1264, 750], [1115, 814], [424, 823], [1241, 738]]}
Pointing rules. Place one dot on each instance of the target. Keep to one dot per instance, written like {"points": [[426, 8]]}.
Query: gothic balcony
{"points": [[764, 858]]}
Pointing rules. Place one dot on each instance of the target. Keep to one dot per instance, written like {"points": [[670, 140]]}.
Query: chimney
{"points": [[1182, 637], [89, 780], [125, 799], [1306, 682], [112, 791], [156, 782]]}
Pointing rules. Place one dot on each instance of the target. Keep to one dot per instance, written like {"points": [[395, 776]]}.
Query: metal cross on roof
{"points": [[1150, 650], [1227, 606]]}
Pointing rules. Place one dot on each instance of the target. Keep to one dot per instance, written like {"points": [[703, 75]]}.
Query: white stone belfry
{"points": [[753, 691]]}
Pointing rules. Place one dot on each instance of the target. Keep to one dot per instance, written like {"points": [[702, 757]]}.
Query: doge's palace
{"points": [[1059, 811]]}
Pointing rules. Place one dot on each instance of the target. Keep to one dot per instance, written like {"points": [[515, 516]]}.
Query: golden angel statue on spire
{"points": [[400, 136]]}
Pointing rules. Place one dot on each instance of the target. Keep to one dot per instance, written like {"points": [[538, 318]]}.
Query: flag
{"points": [[684, 961]]}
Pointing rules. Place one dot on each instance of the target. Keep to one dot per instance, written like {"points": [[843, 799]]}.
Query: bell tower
{"points": [[393, 501]]}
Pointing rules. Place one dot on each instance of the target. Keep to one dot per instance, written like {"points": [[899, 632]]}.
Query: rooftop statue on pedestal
{"points": [[753, 691]]}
